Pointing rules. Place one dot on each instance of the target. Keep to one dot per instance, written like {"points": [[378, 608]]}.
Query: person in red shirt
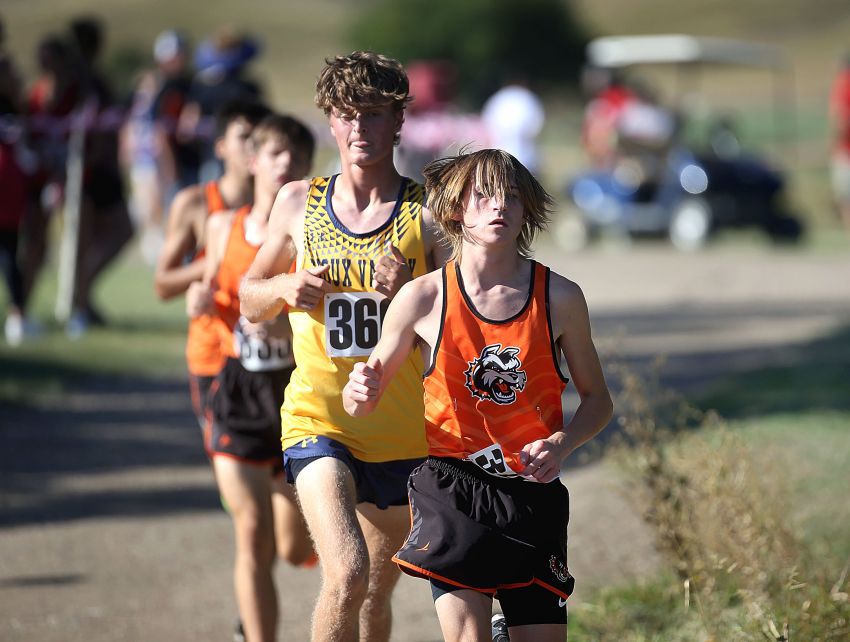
{"points": [[839, 113], [13, 205], [488, 512], [609, 97]]}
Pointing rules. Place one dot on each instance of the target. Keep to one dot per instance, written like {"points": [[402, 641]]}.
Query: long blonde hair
{"points": [[494, 172]]}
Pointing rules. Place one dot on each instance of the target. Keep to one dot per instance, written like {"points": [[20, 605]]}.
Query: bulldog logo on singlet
{"points": [[496, 375]]}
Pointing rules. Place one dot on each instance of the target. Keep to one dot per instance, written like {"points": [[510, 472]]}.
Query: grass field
{"points": [[779, 485], [145, 337]]}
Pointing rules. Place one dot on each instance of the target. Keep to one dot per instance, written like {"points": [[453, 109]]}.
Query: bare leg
{"points": [[247, 491], [328, 499], [465, 616], [385, 531], [290, 529], [538, 633]]}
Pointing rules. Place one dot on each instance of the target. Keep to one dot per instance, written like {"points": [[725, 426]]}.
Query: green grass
{"points": [[795, 423], [799, 417], [817, 381], [650, 611], [144, 337]]}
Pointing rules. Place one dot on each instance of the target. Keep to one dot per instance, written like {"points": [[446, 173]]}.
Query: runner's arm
{"points": [[369, 379], [172, 277], [268, 285], [571, 328], [199, 296]]}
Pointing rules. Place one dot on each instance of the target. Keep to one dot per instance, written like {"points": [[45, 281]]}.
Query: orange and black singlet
{"points": [[203, 343], [258, 346], [493, 386]]}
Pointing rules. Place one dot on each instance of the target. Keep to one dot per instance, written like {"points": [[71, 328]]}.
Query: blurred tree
{"points": [[490, 41], [122, 66]]}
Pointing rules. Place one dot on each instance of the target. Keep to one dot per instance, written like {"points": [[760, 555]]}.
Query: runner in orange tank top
{"points": [[243, 437], [488, 512], [180, 262]]}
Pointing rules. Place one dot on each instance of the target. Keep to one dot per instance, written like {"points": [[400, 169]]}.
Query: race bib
{"points": [[353, 322], [260, 350], [492, 461]]}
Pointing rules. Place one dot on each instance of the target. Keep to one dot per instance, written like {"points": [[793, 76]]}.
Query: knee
{"points": [[347, 580], [254, 537], [294, 550]]}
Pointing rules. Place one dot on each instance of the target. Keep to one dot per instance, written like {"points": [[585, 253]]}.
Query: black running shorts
{"points": [[473, 530], [199, 388], [245, 410]]}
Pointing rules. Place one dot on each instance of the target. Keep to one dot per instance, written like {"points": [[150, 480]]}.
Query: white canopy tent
{"points": [[690, 54], [623, 51]]}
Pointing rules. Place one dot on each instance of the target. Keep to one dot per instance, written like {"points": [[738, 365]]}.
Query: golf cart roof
{"points": [[622, 51]]}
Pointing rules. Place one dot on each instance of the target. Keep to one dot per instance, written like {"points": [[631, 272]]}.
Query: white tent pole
{"points": [[69, 245]]}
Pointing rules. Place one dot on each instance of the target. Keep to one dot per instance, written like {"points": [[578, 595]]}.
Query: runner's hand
{"points": [[391, 272], [199, 299], [541, 460], [306, 288], [360, 394]]}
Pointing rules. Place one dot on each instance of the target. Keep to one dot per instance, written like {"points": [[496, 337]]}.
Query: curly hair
{"points": [[362, 78], [495, 173]]}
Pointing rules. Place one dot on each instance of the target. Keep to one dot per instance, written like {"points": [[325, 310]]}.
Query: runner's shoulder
{"points": [[423, 292], [189, 204], [290, 202]]}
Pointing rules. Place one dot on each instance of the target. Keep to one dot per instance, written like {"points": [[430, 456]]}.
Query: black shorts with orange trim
{"points": [[245, 409], [199, 389], [473, 530]]}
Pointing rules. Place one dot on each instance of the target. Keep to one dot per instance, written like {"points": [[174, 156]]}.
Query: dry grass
{"points": [[720, 515]]}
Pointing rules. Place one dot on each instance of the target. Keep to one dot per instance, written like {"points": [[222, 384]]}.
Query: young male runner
{"points": [[488, 513], [180, 262], [357, 237], [244, 436]]}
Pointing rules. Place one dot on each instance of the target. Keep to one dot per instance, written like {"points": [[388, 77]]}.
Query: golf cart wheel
{"points": [[784, 229], [690, 224], [570, 231]]}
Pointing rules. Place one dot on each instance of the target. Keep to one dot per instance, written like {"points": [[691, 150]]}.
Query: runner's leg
{"points": [[328, 499], [290, 529], [385, 531], [247, 490], [465, 616], [538, 633]]}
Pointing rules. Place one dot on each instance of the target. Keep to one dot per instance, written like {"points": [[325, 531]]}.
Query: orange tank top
{"points": [[272, 348], [237, 258], [493, 386], [203, 343]]}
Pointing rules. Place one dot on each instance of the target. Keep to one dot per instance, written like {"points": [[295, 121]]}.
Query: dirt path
{"points": [[110, 528]]}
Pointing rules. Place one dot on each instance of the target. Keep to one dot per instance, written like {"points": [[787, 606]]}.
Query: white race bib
{"points": [[261, 352], [353, 322], [492, 461]]}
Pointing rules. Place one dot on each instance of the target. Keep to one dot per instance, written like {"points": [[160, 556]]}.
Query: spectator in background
{"points": [[105, 226], [514, 117], [50, 101], [607, 98], [155, 162], [171, 53], [13, 198], [839, 113], [146, 164], [220, 80]]}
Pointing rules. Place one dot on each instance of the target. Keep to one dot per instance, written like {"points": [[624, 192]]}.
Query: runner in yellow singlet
{"points": [[356, 237]]}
